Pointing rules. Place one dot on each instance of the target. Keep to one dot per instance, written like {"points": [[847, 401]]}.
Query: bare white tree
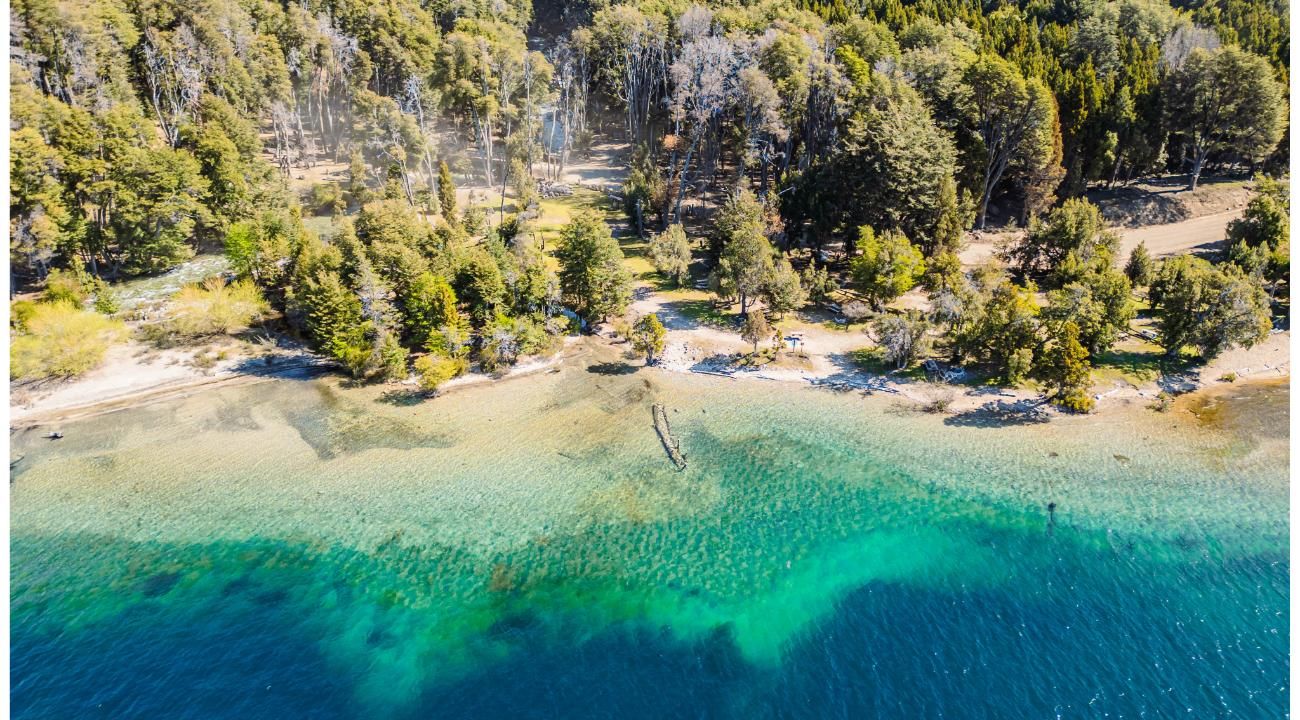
{"points": [[1176, 48], [705, 77]]}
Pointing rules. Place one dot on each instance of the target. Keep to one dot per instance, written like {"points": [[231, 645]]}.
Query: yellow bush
{"points": [[19, 312], [66, 286], [435, 370], [215, 308], [59, 340]]}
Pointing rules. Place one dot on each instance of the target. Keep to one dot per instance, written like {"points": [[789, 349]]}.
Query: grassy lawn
{"points": [[1136, 362], [321, 225], [872, 360], [765, 356], [850, 326], [555, 213], [657, 282], [643, 270], [704, 312], [671, 293]]}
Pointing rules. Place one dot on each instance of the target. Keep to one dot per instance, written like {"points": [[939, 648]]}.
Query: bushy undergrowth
{"points": [[434, 370], [216, 308], [60, 340]]}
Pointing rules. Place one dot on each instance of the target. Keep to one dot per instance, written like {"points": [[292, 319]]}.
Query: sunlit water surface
{"points": [[297, 549]]}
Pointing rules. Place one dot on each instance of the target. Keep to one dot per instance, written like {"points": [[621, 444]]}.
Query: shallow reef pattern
{"points": [[527, 550]]}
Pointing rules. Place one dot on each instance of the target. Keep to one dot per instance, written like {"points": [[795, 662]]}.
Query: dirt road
{"points": [[1197, 235]]}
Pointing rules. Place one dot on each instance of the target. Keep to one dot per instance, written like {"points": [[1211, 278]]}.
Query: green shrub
{"points": [[106, 301], [356, 358], [1019, 364], [648, 337], [1076, 400], [328, 198], [474, 221], [531, 334], [60, 340], [391, 358], [372, 354]]}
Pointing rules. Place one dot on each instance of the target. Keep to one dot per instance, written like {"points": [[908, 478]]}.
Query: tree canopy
{"points": [[592, 277], [813, 143]]}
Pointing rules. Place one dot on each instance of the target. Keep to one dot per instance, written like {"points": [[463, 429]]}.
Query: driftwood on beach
{"points": [[671, 445], [719, 373], [841, 385]]}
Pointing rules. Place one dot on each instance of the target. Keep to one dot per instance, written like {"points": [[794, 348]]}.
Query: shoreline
{"points": [[37, 413], [694, 348], [993, 398], [680, 356]]}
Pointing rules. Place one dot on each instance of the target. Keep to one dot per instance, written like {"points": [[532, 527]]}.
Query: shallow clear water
{"points": [[294, 549]]}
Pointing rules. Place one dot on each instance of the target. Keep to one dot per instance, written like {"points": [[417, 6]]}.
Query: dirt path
{"points": [[1198, 235], [1165, 200], [1203, 234], [604, 167], [981, 247]]}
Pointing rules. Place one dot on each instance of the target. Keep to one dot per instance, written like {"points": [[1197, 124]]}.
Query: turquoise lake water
{"points": [[296, 549]]}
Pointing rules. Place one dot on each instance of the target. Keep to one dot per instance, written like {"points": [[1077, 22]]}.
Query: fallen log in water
{"points": [[666, 435], [719, 373]]}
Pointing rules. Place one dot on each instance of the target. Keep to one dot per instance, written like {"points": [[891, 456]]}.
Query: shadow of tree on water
{"points": [[611, 368], [1002, 413]]}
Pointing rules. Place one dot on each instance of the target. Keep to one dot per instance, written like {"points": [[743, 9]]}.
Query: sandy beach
{"points": [[132, 377]]}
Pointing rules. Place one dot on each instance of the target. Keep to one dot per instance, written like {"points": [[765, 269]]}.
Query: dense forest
{"points": [[815, 145]]}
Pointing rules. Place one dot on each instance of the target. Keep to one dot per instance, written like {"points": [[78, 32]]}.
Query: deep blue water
{"points": [[1083, 634]]}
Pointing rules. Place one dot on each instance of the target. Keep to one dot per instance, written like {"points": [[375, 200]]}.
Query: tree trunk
{"points": [[984, 205], [1197, 166], [501, 209], [681, 181]]}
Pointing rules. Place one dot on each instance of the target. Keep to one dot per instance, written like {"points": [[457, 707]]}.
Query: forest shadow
{"points": [[302, 368], [1001, 413], [611, 368], [403, 398]]}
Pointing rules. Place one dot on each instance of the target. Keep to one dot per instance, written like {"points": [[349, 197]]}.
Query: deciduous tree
{"points": [[755, 329], [783, 291], [671, 253], [903, 337], [592, 277], [648, 337], [1016, 120], [888, 266], [1224, 100]]}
